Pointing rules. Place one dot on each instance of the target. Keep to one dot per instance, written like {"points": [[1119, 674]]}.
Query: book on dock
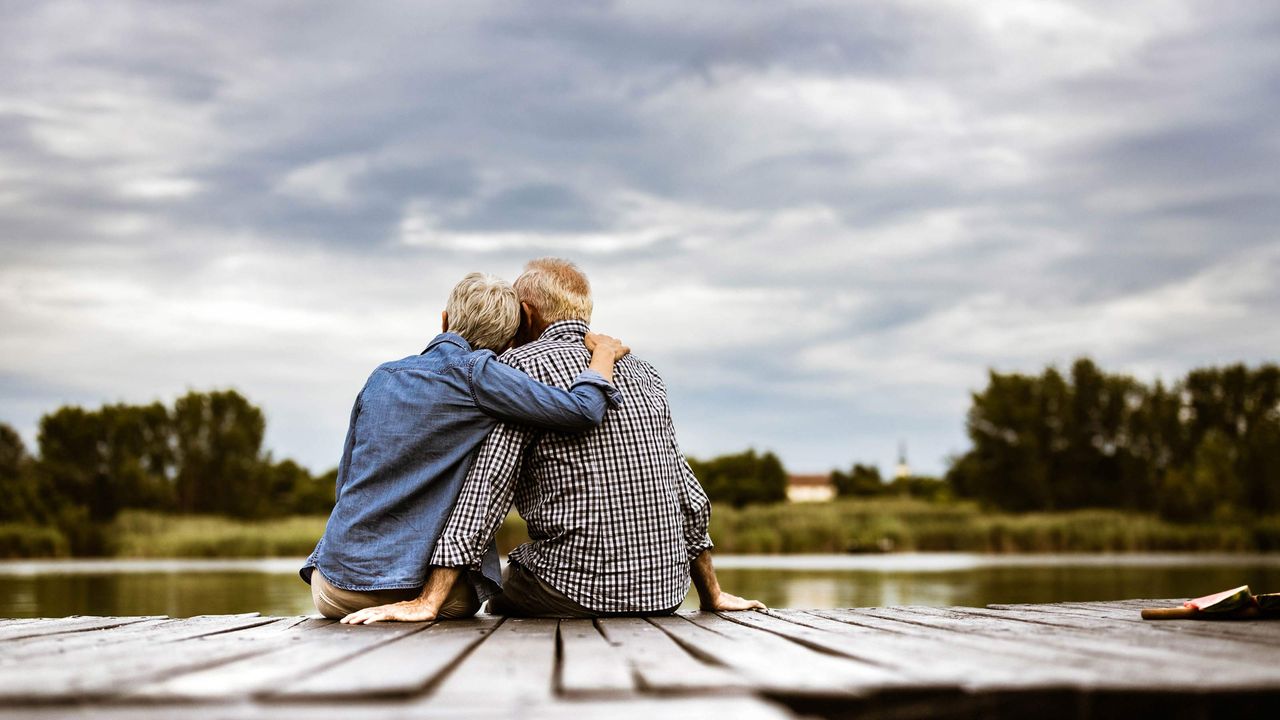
{"points": [[1234, 604]]}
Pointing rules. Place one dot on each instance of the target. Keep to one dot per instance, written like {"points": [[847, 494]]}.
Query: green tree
{"points": [[73, 460], [1009, 467], [138, 455], [218, 443], [22, 499], [1207, 445], [742, 479], [860, 481], [289, 489]]}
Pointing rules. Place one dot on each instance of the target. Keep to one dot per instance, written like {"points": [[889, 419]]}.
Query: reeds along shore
{"points": [[843, 526]]}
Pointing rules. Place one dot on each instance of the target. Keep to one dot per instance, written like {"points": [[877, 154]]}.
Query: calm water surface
{"points": [[181, 588]]}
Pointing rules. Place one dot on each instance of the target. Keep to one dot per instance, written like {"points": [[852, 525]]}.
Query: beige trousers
{"points": [[336, 603]]}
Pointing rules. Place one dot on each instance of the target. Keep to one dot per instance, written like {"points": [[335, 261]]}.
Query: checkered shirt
{"points": [[615, 514]]}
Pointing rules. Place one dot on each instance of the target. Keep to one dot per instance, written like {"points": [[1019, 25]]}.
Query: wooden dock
{"points": [[1072, 660]]}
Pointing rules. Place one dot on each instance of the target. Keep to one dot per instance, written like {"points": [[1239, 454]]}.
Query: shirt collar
{"points": [[565, 330], [451, 338]]}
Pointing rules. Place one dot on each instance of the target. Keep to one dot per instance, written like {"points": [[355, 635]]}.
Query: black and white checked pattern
{"points": [[614, 514]]}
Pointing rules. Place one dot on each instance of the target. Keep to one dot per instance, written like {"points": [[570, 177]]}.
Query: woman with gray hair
{"points": [[414, 430]]}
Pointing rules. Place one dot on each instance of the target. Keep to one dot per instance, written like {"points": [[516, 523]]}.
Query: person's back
{"points": [[409, 427], [615, 515]]}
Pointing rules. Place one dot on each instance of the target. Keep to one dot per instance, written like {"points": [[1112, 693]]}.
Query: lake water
{"points": [[181, 588]]}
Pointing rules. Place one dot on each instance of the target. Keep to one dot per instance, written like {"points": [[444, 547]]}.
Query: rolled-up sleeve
{"points": [[695, 506], [697, 510], [512, 396]]}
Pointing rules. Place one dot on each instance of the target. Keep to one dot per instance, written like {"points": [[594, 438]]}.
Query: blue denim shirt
{"points": [[414, 431]]}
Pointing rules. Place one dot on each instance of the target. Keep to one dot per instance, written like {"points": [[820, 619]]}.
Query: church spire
{"points": [[903, 469]]}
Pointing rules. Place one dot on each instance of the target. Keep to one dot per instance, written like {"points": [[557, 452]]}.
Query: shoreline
{"points": [[922, 562]]}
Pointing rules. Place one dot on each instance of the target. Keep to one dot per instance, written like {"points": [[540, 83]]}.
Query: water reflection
{"points": [[184, 588], [984, 585], [174, 594]]}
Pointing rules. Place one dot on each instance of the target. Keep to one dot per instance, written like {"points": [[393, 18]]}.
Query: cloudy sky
{"points": [[822, 221]]}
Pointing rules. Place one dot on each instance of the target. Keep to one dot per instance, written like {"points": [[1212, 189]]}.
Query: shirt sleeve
{"points": [[485, 498], [694, 503], [512, 396]]}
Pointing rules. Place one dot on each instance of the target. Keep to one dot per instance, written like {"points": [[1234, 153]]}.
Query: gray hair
{"points": [[557, 288], [484, 310]]}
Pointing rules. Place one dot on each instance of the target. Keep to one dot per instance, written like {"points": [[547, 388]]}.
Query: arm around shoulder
{"points": [[512, 396]]}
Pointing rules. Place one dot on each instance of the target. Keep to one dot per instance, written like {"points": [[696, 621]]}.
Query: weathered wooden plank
{"points": [[398, 668], [1228, 648], [299, 655], [643, 708], [54, 626], [101, 672], [930, 661], [1078, 666], [1229, 639], [64, 646], [639, 708], [1104, 646], [512, 669], [286, 626], [61, 643], [1260, 631], [590, 666], [112, 671], [661, 665], [772, 663]]}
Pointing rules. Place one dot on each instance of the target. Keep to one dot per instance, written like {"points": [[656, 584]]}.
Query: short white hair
{"points": [[484, 310], [557, 288]]}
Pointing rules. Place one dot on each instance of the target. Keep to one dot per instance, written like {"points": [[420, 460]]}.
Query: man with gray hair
{"points": [[414, 431], [617, 519]]}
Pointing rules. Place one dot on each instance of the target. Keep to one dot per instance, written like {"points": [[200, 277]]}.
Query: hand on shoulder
{"points": [[597, 342]]}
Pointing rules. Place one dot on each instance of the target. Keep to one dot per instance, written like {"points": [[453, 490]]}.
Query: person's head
{"points": [[551, 290], [484, 310]]}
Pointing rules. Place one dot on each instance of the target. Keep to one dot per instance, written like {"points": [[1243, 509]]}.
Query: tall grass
{"points": [[151, 535], [871, 525], [891, 524], [21, 540]]}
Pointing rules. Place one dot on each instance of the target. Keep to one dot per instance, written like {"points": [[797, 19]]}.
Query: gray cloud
{"points": [[823, 221]]}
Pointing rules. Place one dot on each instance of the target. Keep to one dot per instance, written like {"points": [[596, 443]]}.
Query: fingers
{"points": [[366, 616], [354, 618], [593, 339]]}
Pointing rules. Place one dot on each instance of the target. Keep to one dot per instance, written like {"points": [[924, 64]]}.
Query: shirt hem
{"points": [[369, 588]]}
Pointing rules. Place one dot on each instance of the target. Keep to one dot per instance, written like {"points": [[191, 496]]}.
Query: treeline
{"points": [[752, 478], [203, 455], [1205, 447], [741, 479], [865, 481]]}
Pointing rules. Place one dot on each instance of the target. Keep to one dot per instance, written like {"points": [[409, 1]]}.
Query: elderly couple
{"points": [[566, 423]]}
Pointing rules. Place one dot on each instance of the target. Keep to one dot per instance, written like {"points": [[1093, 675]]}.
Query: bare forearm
{"points": [[438, 585], [710, 596], [605, 353], [602, 361], [704, 580]]}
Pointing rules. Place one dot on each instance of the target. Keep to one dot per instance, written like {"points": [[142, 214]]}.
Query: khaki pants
{"points": [[336, 603]]}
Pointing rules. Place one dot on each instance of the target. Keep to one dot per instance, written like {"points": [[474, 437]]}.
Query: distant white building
{"points": [[810, 488]]}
